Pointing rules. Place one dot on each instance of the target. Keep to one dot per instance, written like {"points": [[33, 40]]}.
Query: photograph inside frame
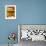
{"points": [[10, 12], [32, 32]]}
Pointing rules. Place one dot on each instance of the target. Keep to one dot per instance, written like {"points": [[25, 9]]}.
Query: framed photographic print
{"points": [[10, 11], [33, 32]]}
